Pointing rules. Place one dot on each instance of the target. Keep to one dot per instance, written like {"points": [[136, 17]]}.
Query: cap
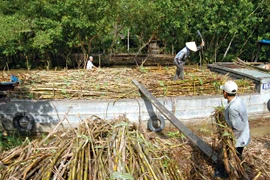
{"points": [[192, 46], [230, 87]]}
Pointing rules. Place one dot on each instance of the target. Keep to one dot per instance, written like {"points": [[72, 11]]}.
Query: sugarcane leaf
{"points": [[226, 134], [173, 134], [161, 83], [121, 124], [120, 175], [85, 137], [201, 81], [64, 91]]}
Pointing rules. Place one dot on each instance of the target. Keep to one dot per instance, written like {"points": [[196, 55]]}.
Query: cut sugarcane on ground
{"points": [[111, 83], [118, 149]]}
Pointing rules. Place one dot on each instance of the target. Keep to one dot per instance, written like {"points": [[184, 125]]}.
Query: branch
{"points": [[141, 48], [228, 46]]}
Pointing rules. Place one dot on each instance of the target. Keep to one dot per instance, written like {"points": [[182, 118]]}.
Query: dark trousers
{"points": [[220, 166], [180, 69], [239, 152]]}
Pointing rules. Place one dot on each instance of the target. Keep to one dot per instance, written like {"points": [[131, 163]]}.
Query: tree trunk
{"points": [[225, 54], [141, 48]]}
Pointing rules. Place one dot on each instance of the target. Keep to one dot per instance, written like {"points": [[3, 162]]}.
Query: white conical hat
{"points": [[192, 46]]}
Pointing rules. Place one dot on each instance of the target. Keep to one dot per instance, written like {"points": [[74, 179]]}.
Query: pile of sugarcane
{"points": [[117, 149], [114, 83], [97, 149], [225, 146], [257, 157]]}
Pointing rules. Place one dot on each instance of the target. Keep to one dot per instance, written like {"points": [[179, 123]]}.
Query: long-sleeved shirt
{"points": [[184, 53], [237, 118], [89, 65]]}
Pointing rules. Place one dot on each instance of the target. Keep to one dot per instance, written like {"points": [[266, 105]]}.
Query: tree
{"points": [[48, 29]]}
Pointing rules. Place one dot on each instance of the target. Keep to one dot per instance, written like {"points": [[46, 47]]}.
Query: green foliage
{"points": [[143, 69], [64, 91], [201, 81], [216, 85], [173, 134], [50, 29], [11, 140], [177, 134], [226, 133], [161, 83], [120, 175]]}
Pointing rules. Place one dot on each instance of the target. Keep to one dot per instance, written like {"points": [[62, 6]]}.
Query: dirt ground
{"points": [[256, 155]]}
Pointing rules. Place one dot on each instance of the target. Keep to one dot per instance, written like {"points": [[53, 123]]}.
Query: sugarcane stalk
{"points": [[257, 176], [31, 173], [53, 162], [42, 170], [86, 162], [8, 159], [34, 163], [146, 162], [50, 85]]}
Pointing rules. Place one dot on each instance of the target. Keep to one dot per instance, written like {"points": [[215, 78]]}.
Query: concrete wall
{"points": [[48, 113]]}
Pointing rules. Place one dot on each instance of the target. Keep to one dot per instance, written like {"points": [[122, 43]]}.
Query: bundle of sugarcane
{"points": [[97, 149], [225, 146]]}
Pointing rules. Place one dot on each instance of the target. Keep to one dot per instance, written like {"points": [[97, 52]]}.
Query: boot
{"points": [[175, 78]]}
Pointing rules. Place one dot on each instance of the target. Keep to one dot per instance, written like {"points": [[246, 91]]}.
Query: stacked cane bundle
{"points": [[114, 83]]}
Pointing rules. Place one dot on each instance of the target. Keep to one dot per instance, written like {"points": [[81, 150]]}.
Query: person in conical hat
{"points": [[180, 57]]}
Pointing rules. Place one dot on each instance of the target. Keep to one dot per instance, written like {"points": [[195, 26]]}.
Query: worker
{"points": [[236, 116], [180, 57], [90, 64]]}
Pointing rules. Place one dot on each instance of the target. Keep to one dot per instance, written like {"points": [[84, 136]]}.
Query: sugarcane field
{"points": [[120, 149]]}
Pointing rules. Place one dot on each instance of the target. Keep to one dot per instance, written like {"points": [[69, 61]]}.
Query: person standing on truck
{"points": [[180, 57], [236, 116], [90, 64]]}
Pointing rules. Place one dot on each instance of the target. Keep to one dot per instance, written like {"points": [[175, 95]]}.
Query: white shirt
{"points": [[89, 65]]}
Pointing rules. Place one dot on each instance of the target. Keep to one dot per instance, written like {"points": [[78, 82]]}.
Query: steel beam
{"points": [[177, 123]]}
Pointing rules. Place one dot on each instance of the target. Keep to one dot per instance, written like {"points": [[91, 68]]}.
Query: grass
{"points": [[9, 141]]}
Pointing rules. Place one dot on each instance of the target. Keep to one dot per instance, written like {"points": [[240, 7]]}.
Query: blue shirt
{"points": [[237, 118], [182, 54]]}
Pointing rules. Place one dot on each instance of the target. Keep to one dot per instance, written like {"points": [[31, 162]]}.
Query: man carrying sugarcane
{"points": [[237, 118], [180, 57]]}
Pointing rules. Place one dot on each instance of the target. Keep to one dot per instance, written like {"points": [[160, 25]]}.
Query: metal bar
{"points": [[178, 124], [6, 87], [233, 73]]}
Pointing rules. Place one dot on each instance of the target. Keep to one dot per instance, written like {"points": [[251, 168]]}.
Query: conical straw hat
{"points": [[192, 46]]}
